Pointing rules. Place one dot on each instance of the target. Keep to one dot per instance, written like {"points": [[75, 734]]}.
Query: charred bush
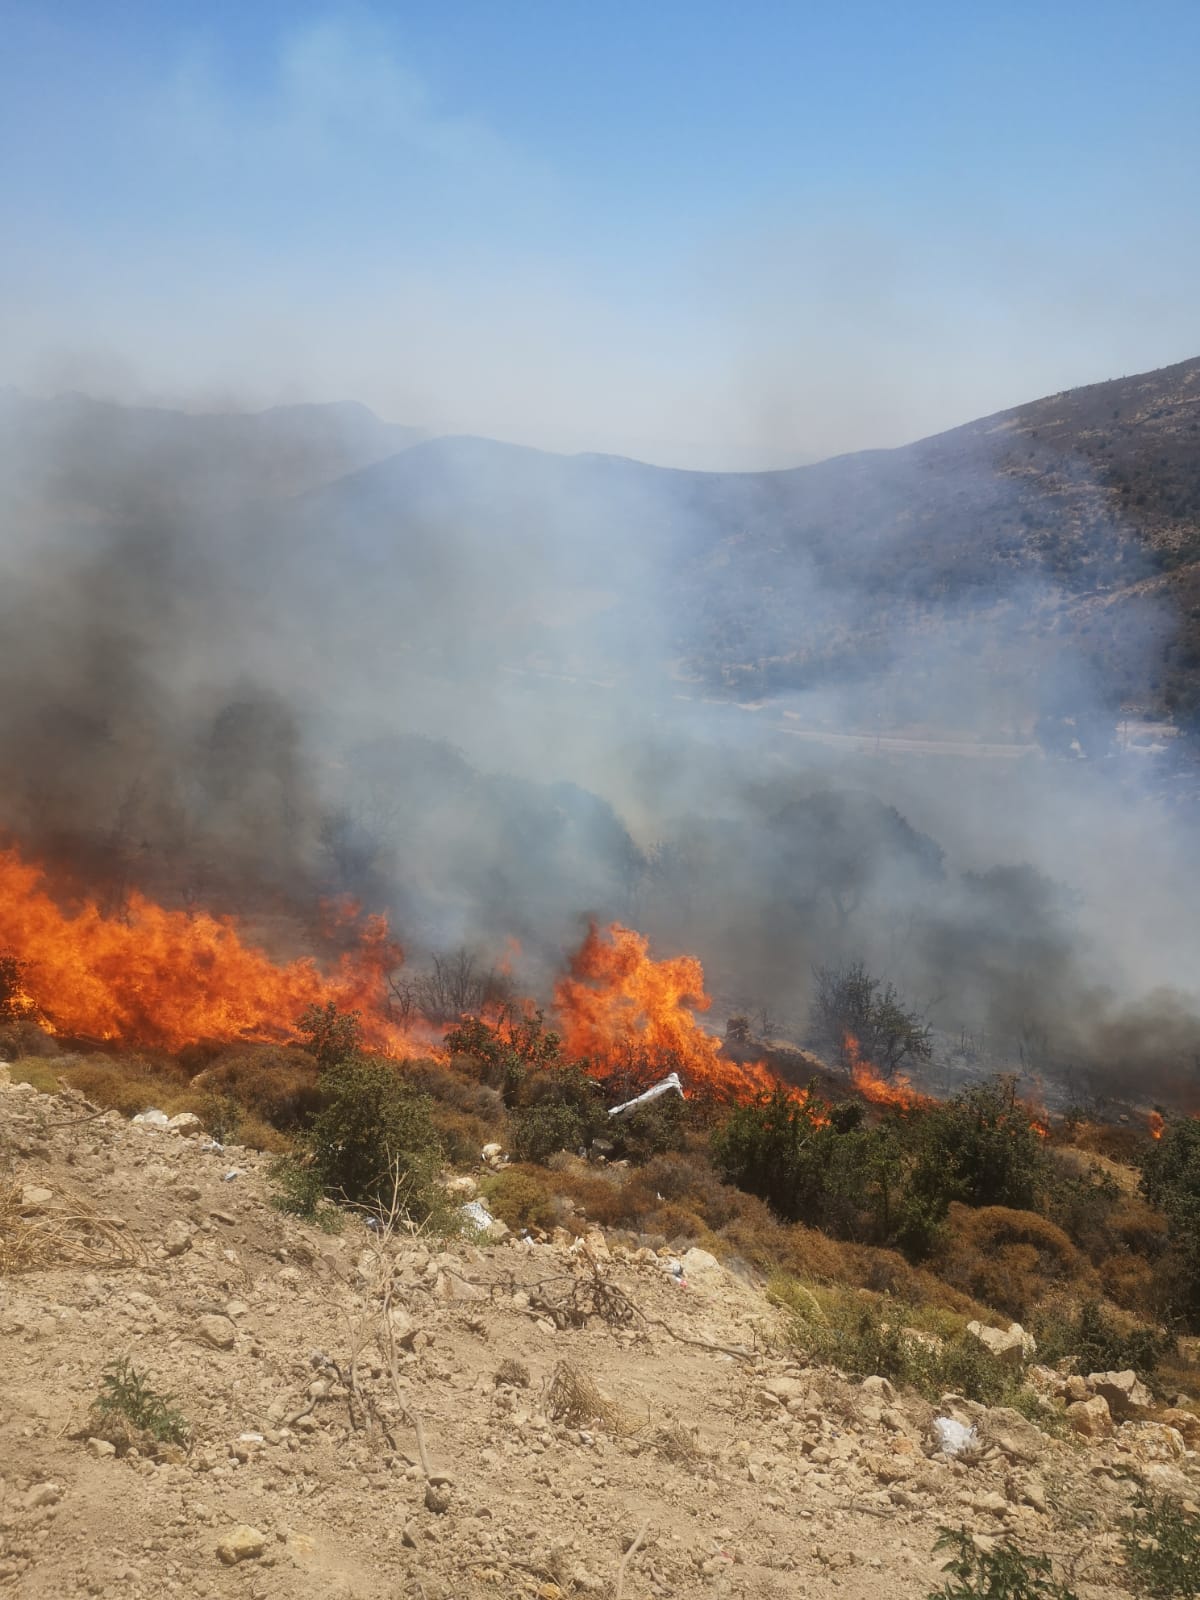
{"points": [[856, 1014]]}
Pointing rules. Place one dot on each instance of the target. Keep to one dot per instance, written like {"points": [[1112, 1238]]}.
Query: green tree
{"points": [[979, 1147]]}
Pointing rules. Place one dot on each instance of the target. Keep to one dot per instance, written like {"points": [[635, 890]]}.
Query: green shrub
{"points": [[1162, 1547], [126, 1396], [980, 1149], [1171, 1181], [1098, 1342], [1003, 1572], [372, 1144], [540, 1131], [221, 1116], [298, 1190], [561, 1109], [650, 1130], [869, 1337]]}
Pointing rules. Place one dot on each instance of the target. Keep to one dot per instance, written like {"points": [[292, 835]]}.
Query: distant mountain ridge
{"points": [[1063, 530]]}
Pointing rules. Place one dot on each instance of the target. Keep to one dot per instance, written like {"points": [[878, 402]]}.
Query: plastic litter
{"points": [[954, 1437], [211, 1144], [477, 1213], [154, 1118], [234, 1172], [669, 1083]]}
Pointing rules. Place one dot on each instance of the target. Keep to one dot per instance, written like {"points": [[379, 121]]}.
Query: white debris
{"points": [[477, 1214], [954, 1437], [671, 1081], [154, 1118]]}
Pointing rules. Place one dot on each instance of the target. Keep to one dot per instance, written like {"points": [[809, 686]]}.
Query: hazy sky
{"points": [[699, 233]]}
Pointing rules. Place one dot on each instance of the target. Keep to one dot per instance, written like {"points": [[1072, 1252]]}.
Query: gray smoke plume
{"points": [[777, 719]]}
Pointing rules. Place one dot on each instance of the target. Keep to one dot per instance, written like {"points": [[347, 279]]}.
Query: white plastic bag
{"points": [[954, 1437]]}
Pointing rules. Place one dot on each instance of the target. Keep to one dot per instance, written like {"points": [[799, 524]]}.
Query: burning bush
{"points": [[855, 1015]]}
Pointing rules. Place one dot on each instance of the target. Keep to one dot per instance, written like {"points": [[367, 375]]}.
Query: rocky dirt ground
{"points": [[376, 1415]]}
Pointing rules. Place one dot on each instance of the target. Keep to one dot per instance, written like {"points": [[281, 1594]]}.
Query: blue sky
{"points": [[702, 234]]}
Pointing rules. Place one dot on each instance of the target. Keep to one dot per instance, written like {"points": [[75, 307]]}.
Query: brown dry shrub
{"points": [[1130, 1283], [1118, 1141], [452, 1087], [1008, 1259], [131, 1084], [1139, 1227], [522, 1196], [256, 1134], [463, 1135], [600, 1194], [688, 1179], [276, 1083]]}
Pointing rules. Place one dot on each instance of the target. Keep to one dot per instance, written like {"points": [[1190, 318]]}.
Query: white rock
{"points": [[1091, 1418], [697, 1263], [217, 1331], [1127, 1396], [1012, 1347], [177, 1239], [34, 1198], [185, 1122], [42, 1494], [244, 1543]]}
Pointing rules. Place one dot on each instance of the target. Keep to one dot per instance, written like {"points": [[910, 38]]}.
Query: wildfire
{"points": [[616, 1001], [165, 979], [1156, 1123], [897, 1092]]}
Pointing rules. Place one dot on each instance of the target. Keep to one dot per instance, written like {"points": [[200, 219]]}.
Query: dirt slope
{"points": [[745, 1473]]}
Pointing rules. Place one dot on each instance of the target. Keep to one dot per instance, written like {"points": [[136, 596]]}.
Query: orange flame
{"points": [[165, 979], [897, 1092], [1156, 1123], [616, 1000]]}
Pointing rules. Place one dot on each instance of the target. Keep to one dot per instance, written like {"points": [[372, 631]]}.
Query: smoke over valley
{"points": [[927, 709]]}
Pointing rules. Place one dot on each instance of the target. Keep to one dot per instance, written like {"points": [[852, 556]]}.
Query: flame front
{"points": [[897, 1092], [1156, 1122], [616, 1002], [165, 979]]}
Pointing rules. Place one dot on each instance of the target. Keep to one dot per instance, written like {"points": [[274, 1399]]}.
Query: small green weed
{"points": [[1001, 1573], [298, 1190], [1162, 1547], [126, 1395], [868, 1337]]}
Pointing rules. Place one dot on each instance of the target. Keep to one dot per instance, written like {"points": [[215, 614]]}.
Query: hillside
{"points": [[719, 1462], [1047, 558], [1041, 562]]}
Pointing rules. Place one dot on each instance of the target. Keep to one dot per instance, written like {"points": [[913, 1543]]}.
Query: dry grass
{"points": [[572, 1398], [66, 1233]]}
